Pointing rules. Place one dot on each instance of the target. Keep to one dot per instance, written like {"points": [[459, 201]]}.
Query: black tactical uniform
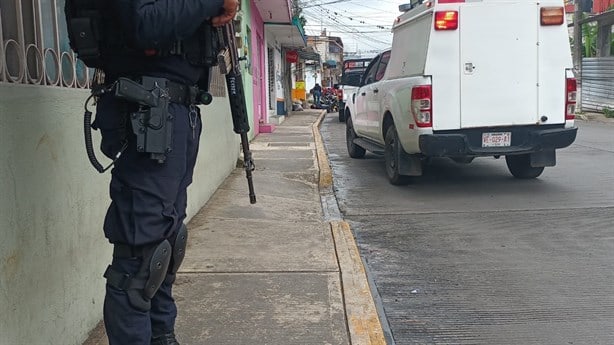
{"points": [[145, 218]]}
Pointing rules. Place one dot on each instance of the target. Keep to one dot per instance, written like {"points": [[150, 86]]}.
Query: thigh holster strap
{"points": [[122, 281]]}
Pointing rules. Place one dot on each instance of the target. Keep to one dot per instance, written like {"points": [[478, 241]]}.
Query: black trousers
{"points": [[148, 205]]}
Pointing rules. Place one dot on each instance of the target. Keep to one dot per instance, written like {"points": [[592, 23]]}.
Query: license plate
{"points": [[496, 139]]}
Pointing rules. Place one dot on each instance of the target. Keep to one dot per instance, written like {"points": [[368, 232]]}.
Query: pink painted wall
{"points": [[258, 67]]}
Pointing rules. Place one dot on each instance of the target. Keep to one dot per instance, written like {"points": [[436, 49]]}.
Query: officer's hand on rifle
{"points": [[229, 11]]}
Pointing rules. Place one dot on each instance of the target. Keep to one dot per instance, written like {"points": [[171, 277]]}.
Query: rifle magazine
{"points": [[224, 61]]}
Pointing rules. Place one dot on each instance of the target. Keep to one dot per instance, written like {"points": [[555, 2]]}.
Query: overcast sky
{"points": [[363, 25]]}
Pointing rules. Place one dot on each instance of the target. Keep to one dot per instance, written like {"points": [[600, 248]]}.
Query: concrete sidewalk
{"points": [[593, 116], [283, 271]]}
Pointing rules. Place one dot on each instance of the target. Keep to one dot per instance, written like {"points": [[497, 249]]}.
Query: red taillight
{"points": [[150, 52], [570, 99], [421, 105], [552, 15], [446, 20]]}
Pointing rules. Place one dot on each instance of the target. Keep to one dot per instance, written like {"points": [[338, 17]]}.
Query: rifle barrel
{"points": [[238, 107]]}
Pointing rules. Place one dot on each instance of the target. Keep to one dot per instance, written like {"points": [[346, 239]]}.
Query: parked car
{"points": [[351, 74], [465, 80]]}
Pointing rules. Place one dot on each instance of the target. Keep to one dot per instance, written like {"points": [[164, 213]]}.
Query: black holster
{"points": [[152, 123]]}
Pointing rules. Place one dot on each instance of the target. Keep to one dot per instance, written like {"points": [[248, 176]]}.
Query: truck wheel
{"points": [[341, 115], [520, 166], [354, 150], [391, 157]]}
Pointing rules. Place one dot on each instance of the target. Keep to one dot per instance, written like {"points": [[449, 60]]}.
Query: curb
{"points": [[360, 311], [325, 179]]}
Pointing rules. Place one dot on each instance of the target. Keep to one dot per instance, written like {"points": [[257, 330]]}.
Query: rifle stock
{"points": [[228, 62]]}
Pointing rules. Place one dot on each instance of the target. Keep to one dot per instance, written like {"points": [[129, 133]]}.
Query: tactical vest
{"points": [[93, 36], [84, 23]]}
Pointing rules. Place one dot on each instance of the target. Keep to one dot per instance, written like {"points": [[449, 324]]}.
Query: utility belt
{"points": [[183, 94], [143, 90]]}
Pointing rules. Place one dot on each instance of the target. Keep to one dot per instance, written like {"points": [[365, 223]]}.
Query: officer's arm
{"points": [[156, 23]]}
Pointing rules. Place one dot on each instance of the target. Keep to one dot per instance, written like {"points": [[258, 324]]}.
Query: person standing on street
{"points": [[151, 41], [317, 94]]}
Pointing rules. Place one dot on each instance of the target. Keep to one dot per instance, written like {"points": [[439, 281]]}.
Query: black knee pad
{"points": [[141, 287], [181, 241]]}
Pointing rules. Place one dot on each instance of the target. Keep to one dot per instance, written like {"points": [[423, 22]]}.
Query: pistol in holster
{"points": [[152, 123]]}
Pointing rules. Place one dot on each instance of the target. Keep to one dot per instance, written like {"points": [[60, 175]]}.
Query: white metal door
{"points": [[373, 109], [361, 109], [364, 96], [498, 64]]}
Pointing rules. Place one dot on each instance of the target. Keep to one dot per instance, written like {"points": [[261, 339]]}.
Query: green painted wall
{"points": [[52, 204]]}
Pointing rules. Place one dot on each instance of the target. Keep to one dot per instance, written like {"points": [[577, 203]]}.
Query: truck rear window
{"points": [[351, 78]]}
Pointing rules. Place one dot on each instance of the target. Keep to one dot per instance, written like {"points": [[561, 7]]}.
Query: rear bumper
{"points": [[468, 142]]}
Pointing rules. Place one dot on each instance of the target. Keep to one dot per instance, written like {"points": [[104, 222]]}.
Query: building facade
{"points": [[330, 49], [272, 30]]}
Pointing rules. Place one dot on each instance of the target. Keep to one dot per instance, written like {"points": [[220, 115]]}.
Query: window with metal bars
{"points": [[271, 72], [34, 48]]}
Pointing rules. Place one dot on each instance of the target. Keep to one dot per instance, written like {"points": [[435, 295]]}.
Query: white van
{"points": [[465, 79]]}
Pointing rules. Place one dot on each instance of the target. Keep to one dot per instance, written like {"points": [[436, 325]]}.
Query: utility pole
{"points": [[577, 40]]}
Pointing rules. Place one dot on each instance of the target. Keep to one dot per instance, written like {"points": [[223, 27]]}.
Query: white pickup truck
{"points": [[465, 79], [350, 77]]}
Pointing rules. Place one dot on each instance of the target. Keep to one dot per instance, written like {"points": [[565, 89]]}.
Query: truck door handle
{"points": [[363, 94], [375, 90]]}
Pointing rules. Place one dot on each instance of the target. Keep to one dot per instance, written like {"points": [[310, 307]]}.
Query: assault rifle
{"points": [[228, 63]]}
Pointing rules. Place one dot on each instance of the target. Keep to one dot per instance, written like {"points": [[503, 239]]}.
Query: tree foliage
{"points": [[297, 11]]}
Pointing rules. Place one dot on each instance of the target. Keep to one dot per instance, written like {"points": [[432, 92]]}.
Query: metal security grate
{"points": [[34, 45], [34, 48], [597, 83]]}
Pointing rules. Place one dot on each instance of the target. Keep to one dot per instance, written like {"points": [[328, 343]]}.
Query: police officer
{"points": [[148, 197]]}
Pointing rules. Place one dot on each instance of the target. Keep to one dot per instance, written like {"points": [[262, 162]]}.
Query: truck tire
{"points": [[341, 115], [520, 167], [354, 150], [391, 157]]}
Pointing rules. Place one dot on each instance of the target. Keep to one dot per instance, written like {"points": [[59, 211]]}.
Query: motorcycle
{"points": [[330, 101]]}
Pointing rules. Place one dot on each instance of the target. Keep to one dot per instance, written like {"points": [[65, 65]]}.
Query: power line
{"points": [[328, 3], [362, 39], [342, 27], [351, 25], [352, 15], [336, 16]]}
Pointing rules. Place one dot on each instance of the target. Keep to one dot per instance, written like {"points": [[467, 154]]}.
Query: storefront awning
{"points": [[287, 34]]}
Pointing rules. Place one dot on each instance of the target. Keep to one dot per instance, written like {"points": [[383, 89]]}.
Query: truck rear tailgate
{"points": [[498, 64]]}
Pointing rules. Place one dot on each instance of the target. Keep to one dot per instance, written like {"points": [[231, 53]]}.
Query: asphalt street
{"points": [[467, 254]]}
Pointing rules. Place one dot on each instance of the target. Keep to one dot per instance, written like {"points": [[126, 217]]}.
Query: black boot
{"points": [[165, 339]]}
